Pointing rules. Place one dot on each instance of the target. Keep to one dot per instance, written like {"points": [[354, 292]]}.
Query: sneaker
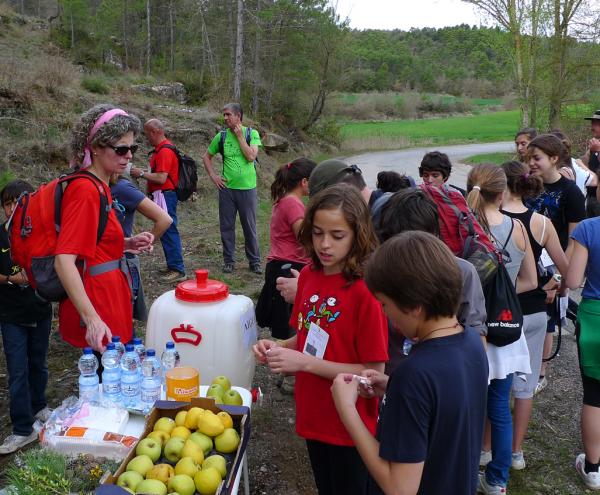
{"points": [[485, 457], [173, 276], [591, 480], [163, 271], [228, 268], [13, 443], [43, 415], [541, 385], [256, 268], [487, 489], [518, 461], [288, 384]]}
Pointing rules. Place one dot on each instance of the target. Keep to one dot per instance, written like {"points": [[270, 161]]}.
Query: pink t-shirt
{"points": [[284, 244]]}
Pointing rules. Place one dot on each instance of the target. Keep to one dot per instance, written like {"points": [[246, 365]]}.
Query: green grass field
{"points": [[497, 158], [490, 127]]}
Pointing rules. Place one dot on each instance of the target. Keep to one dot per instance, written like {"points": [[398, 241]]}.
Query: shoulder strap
{"points": [[222, 138], [248, 135], [177, 154], [512, 227]]}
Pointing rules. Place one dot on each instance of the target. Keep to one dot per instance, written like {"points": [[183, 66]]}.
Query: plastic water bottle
{"points": [[130, 378], [151, 385], [140, 349], [88, 378], [169, 360], [111, 376], [118, 345]]}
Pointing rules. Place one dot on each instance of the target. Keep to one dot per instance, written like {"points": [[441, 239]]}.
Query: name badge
{"points": [[316, 341]]}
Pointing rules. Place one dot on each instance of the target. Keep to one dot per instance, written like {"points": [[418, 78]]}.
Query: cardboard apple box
{"points": [[241, 422]]}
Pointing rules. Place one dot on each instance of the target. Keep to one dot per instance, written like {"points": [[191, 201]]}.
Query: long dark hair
{"points": [[347, 199], [520, 182], [551, 145], [288, 176]]}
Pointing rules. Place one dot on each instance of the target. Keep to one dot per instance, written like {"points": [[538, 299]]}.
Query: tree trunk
{"points": [[148, 32], [72, 28], [125, 39], [172, 37], [256, 70], [239, 52]]}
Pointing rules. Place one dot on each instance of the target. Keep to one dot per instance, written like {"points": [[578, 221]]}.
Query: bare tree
{"points": [[239, 52], [148, 34]]}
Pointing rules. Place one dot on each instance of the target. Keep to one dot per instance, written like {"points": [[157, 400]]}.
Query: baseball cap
{"points": [[327, 173], [596, 116]]}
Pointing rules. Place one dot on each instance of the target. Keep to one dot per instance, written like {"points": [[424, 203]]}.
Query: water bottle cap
{"points": [[170, 345], [202, 289], [150, 353], [116, 338], [137, 341], [87, 350], [110, 346], [129, 347]]}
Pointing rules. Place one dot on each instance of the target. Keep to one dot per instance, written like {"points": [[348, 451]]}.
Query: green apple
{"points": [[188, 466], [232, 398], [164, 424], [159, 435], [218, 462], [140, 464], [173, 449], [223, 381], [228, 441], [183, 483], [203, 440], [207, 481], [215, 391], [130, 479], [153, 487], [150, 447]]}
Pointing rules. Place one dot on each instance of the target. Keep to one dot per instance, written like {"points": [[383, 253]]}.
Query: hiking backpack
{"points": [[461, 232], [188, 173], [223, 136], [33, 230], [504, 315]]}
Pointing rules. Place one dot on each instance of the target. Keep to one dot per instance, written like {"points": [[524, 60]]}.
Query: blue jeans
{"points": [[498, 411], [171, 242], [25, 349]]}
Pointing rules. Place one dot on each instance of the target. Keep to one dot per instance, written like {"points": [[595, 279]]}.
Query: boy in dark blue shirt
{"points": [[432, 412]]}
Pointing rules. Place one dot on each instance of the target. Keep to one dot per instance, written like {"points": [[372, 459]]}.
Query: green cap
{"points": [[326, 174]]}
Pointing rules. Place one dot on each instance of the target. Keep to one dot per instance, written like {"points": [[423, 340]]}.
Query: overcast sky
{"points": [[404, 14]]}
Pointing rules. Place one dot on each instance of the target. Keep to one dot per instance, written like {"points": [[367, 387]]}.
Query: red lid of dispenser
{"points": [[202, 289]]}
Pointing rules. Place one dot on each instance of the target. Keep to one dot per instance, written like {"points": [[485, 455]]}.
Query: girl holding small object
{"points": [[340, 329]]}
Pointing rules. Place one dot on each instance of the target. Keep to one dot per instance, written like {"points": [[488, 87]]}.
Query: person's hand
{"points": [[140, 243], [261, 349], [594, 144], [377, 383], [218, 181], [287, 361], [550, 296], [288, 287], [135, 172], [345, 391], [95, 333], [238, 131], [567, 173]]}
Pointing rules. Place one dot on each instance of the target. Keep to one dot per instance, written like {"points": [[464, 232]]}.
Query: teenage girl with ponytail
{"points": [[289, 186], [486, 186], [542, 235]]}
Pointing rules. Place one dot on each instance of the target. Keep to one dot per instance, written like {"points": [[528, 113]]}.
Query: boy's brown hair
{"points": [[349, 201], [416, 269]]}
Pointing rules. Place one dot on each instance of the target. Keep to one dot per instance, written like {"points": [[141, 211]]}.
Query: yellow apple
{"points": [[228, 441], [159, 435], [140, 464], [225, 419], [180, 418], [187, 465], [161, 472], [218, 462], [181, 432], [193, 450], [164, 424], [210, 424], [183, 484], [207, 481]]}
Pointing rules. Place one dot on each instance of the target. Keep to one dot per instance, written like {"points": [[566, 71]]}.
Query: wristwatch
{"points": [[557, 277], [142, 174]]}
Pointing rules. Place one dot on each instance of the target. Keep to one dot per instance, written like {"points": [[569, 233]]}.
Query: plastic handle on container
{"points": [[186, 334], [201, 277]]}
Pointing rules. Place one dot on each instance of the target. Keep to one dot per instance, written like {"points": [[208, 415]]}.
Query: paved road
{"points": [[408, 160]]}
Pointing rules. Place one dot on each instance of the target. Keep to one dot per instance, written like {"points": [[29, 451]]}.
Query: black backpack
{"points": [[188, 174], [504, 316], [223, 136]]}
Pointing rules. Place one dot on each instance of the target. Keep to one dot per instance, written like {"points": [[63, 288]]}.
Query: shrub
{"points": [[95, 84]]}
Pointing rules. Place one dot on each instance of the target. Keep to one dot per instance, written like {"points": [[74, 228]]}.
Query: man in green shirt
{"points": [[236, 186]]}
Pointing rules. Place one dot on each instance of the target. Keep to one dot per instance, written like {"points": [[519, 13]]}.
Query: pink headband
{"points": [[103, 119]]}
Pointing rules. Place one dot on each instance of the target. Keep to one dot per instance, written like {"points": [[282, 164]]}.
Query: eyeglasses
{"points": [[122, 150]]}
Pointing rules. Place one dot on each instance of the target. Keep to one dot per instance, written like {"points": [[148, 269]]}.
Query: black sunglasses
{"points": [[122, 149]]}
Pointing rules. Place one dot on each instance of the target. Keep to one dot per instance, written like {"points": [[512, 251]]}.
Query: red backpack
{"points": [[461, 232], [34, 227]]}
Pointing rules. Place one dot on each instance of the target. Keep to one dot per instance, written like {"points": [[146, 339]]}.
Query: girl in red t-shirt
{"points": [[287, 190], [340, 329], [99, 302]]}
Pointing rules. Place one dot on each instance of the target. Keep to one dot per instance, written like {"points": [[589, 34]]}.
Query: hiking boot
{"points": [[43, 415], [13, 443], [591, 480], [487, 489], [163, 271], [256, 268], [518, 461], [228, 268], [485, 457], [173, 276], [541, 385]]}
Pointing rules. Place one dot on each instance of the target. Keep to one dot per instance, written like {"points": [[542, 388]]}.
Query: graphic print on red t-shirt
{"points": [[320, 310]]}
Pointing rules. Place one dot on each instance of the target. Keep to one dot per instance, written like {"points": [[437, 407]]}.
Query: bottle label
{"points": [[111, 387], [150, 395], [130, 389]]}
